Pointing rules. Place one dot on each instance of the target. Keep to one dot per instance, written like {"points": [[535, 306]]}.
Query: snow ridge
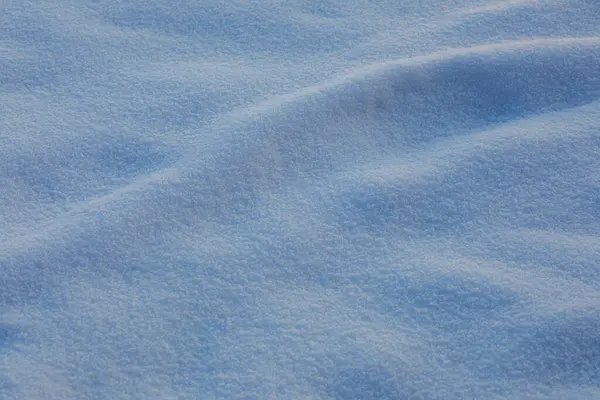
{"points": [[302, 199]]}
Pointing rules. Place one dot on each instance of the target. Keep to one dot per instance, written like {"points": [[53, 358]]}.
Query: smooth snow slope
{"points": [[300, 199]]}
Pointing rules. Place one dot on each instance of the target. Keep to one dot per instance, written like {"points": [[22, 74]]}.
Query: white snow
{"points": [[301, 199]]}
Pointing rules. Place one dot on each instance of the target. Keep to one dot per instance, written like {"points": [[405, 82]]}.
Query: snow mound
{"points": [[300, 199]]}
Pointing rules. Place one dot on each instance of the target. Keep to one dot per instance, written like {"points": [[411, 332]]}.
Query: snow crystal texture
{"points": [[299, 199]]}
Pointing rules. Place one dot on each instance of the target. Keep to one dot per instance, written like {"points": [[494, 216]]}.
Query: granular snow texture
{"points": [[300, 199]]}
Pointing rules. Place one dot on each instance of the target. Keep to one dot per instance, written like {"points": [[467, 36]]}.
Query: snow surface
{"points": [[300, 199]]}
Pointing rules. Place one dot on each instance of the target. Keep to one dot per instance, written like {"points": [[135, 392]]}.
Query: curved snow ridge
{"points": [[305, 136], [523, 58], [458, 89], [425, 225], [308, 235], [404, 103]]}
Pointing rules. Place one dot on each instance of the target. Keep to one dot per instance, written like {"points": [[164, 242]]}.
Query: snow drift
{"points": [[302, 199]]}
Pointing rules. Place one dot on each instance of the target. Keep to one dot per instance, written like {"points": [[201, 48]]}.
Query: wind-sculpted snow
{"points": [[299, 200]]}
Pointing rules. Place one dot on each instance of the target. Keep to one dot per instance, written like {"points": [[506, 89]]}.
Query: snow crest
{"points": [[300, 199]]}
